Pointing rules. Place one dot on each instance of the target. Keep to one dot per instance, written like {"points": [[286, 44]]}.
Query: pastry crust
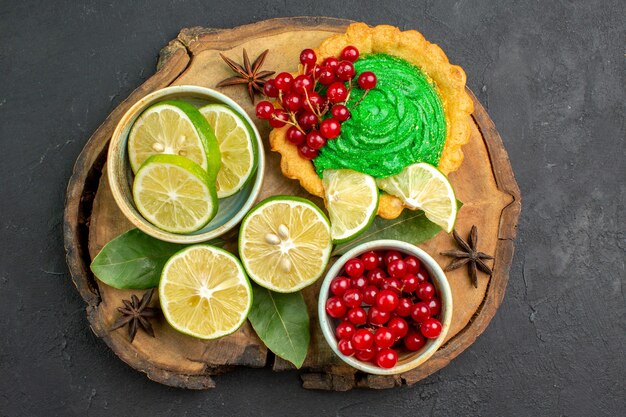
{"points": [[411, 46]]}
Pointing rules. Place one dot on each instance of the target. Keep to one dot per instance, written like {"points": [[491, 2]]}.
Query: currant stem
{"points": [[359, 100]]}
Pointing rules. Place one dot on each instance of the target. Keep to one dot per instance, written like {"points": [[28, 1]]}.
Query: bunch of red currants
{"points": [[384, 301], [314, 102]]}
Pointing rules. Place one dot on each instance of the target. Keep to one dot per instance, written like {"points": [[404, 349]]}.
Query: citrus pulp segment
{"points": [[174, 193], [237, 147], [285, 243], [204, 292]]}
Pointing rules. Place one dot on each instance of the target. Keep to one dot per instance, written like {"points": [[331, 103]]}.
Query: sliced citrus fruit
{"points": [[174, 194], [237, 148], [352, 201], [204, 292], [285, 243], [422, 186], [173, 127]]}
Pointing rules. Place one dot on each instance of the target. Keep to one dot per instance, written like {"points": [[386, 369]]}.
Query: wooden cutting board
{"points": [[485, 183]]}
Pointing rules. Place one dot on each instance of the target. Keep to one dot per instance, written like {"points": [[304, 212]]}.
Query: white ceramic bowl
{"points": [[231, 209], [407, 360]]}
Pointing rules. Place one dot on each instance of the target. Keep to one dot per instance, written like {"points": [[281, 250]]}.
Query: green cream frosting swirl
{"points": [[400, 122]]}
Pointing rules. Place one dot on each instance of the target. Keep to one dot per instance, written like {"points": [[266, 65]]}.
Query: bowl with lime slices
{"points": [[185, 164]]}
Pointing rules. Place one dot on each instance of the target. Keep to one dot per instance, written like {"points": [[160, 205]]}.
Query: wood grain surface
{"points": [[485, 183]]}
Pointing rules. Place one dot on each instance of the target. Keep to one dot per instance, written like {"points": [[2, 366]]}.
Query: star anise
{"points": [[136, 313], [468, 255], [247, 73]]}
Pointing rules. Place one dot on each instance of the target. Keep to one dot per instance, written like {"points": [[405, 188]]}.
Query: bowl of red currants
{"points": [[385, 307]]}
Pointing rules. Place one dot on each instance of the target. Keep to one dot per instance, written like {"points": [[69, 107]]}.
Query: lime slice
{"points": [[422, 186], [174, 194], [352, 201], [204, 292], [237, 149], [284, 243], [173, 127]]}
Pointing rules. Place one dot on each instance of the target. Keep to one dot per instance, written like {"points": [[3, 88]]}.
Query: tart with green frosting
{"points": [[418, 111]]}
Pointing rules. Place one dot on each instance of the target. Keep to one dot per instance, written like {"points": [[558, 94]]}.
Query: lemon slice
{"points": [[285, 243], [237, 149], [174, 194], [204, 292], [352, 201], [422, 186], [173, 127]]}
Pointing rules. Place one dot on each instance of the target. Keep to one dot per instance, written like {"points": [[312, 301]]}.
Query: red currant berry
{"points": [[414, 341], [306, 152], [420, 312], [377, 317], [354, 267], [340, 112], [365, 355], [422, 276], [431, 328], [387, 300], [405, 307], [425, 291], [391, 255], [393, 284], [308, 57], [397, 268], [352, 297], [314, 140], [369, 294], [357, 316], [331, 63], [295, 135], [292, 101], [412, 264], [398, 326], [376, 277], [387, 358], [335, 307], [370, 260], [409, 283], [350, 53], [264, 110], [269, 89], [307, 120], [359, 283], [435, 306], [383, 337], [330, 128], [302, 83], [283, 81], [362, 339], [345, 70], [367, 80], [279, 118], [315, 71], [315, 103], [345, 330], [337, 92], [339, 285], [345, 347], [326, 76]]}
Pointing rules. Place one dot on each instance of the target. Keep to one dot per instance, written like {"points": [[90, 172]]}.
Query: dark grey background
{"points": [[552, 75]]}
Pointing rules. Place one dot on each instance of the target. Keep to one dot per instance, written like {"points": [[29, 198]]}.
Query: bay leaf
{"points": [[134, 260], [282, 323], [411, 226]]}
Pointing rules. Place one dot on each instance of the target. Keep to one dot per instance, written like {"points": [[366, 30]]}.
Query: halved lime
{"points": [[174, 194], [285, 243], [237, 148], [173, 127], [204, 292], [422, 186], [352, 201]]}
